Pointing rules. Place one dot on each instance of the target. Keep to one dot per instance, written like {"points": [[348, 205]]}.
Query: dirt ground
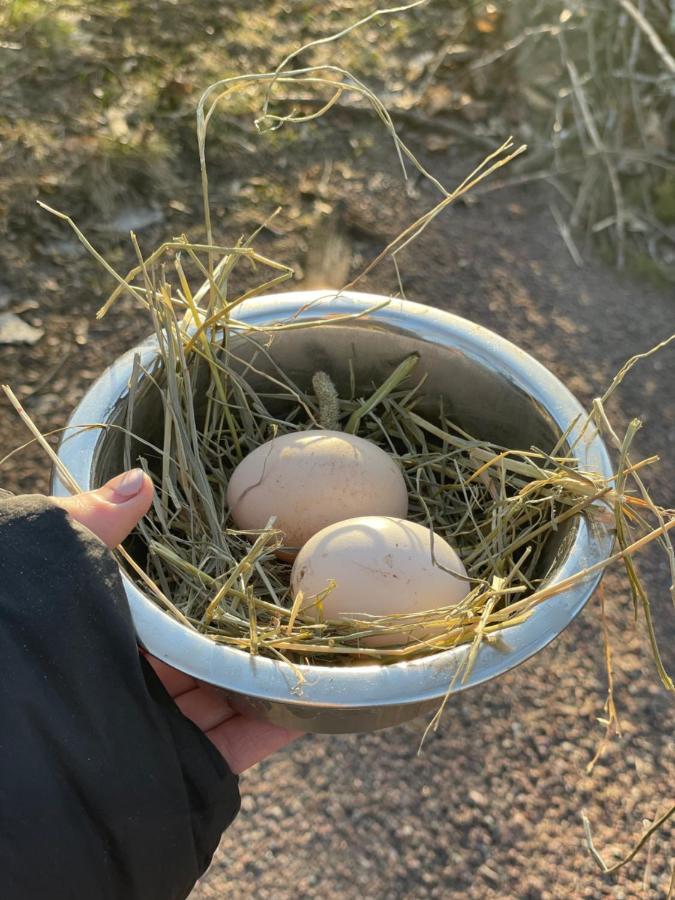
{"points": [[492, 809]]}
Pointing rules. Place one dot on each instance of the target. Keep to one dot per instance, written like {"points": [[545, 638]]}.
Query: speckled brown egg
{"points": [[381, 566], [311, 479]]}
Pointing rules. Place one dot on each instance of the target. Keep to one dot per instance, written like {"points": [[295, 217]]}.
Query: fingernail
{"points": [[126, 485]]}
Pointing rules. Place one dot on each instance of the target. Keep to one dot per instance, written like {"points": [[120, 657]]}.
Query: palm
{"points": [[242, 741]]}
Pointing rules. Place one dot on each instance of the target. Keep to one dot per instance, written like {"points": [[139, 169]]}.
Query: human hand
{"points": [[111, 512]]}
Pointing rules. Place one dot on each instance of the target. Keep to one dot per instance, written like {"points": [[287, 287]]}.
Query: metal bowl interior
{"points": [[489, 387]]}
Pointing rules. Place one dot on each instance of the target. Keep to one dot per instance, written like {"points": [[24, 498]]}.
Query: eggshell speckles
{"points": [[381, 566], [311, 479]]}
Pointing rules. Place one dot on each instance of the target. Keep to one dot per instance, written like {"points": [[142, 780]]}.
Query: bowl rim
{"points": [[367, 685]]}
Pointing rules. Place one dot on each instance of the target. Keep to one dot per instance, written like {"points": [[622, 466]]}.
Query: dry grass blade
{"points": [[652, 35], [646, 835], [612, 725], [377, 13]]}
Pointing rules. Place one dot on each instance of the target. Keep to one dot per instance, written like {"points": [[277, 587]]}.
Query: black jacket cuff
{"points": [[106, 789]]}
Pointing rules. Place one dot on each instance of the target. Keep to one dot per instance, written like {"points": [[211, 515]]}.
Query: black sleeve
{"points": [[106, 790]]}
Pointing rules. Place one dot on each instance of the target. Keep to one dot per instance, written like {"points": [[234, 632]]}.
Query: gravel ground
{"points": [[491, 809]]}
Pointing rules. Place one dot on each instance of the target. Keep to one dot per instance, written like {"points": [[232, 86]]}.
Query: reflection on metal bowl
{"points": [[490, 388]]}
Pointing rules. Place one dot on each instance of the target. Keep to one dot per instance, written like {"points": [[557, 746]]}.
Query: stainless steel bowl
{"points": [[490, 387]]}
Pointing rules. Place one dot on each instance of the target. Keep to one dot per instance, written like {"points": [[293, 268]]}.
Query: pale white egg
{"points": [[311, 479], [381, 566]]}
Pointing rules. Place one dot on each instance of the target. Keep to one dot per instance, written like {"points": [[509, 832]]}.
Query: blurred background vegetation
{"points": [[98, 100]]}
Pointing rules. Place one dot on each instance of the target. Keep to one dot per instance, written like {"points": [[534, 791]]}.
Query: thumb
{"points": [[112, 511]]}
